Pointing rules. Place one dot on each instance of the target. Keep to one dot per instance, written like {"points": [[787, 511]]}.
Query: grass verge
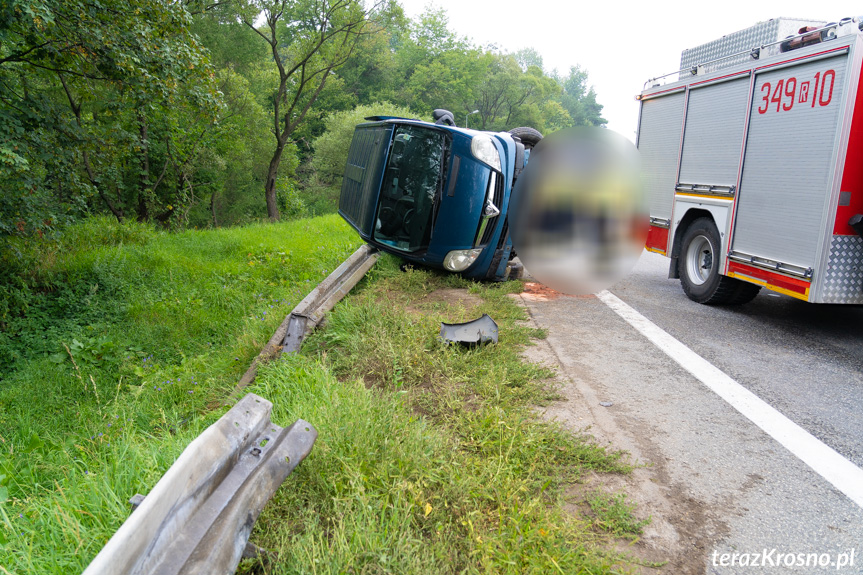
{"points": [[430, 458], [117, 341], [114, 343]]}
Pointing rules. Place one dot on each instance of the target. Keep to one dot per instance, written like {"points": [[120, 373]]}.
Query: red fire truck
{"points": [[754, 166]]}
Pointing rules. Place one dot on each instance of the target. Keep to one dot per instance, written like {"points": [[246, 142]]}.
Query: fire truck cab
{"points": [[753, 161]]}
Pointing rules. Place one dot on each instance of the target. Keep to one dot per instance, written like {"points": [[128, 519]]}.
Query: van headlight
{"points": [[460, 260], [484, 150]]}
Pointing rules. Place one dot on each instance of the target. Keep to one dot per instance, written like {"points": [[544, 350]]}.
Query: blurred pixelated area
{"points": [[579, 219]]}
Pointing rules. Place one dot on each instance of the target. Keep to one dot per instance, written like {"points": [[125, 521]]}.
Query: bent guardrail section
{"points": [[320, 300], [310, 311], [198, 517]]}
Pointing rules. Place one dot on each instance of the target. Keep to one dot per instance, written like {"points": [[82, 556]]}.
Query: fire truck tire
{"points": [[699, 268], [745, 293], [528, 136]]}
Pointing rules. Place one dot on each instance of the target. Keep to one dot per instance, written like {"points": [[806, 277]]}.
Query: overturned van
{"points": [[435, 194]]}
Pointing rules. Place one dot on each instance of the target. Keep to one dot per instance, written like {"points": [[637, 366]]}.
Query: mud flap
{"points": [[478, 331], [856, 222]]}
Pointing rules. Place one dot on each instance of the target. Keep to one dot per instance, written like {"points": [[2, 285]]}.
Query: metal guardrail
{"points": [[198, 517], [310, 311]]}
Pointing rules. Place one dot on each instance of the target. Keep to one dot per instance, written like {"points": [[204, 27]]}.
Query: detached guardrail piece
{"points": [[198, 517], [320, 300]]}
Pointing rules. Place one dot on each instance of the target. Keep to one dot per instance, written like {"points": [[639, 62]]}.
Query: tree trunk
{"points": [[306, 75], [270, 186], [76, 109], [213, 209], [144, 184]]}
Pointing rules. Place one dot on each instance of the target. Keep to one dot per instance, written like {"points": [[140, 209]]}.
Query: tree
{"points": [[579, 99], [371, 74], [308, 40], [447, 82], [508, 97], [425, 41], [527, 58], [84, 88]]}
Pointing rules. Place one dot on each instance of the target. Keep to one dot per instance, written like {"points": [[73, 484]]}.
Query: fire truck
{"points": [[753, 161]]}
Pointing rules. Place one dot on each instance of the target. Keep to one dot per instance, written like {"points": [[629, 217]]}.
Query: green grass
{"points": [[615, 515], [430, 458], [160, 326]]}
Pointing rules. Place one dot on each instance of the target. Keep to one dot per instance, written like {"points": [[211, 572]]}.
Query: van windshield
{"points": [[411, 188]]}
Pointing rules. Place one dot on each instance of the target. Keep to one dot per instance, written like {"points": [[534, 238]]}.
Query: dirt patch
{"points": [[682, 528], [453, 301], [675, 541]]}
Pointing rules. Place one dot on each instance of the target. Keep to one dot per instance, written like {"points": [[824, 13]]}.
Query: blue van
{"points": [[435, 194]]}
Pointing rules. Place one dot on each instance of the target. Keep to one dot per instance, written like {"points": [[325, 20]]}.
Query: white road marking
{"points": [[826, 462]]}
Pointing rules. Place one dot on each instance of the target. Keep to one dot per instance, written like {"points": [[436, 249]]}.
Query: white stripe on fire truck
{"points": [[824, 460]]}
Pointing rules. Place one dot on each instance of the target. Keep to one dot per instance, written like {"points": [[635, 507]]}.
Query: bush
{"points": [[291, 205]]}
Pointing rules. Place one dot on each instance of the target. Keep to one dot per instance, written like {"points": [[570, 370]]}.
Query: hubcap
{"points": [[699, 260]]}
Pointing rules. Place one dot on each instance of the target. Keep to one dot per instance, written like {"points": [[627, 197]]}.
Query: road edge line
{"points": [[820, 457]]}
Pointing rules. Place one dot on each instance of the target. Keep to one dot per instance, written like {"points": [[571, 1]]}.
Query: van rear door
{"points": [[364, 174]]}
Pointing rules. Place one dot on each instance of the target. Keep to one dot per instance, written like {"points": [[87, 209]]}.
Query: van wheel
{"points": [[699, 268], [528, 136]]}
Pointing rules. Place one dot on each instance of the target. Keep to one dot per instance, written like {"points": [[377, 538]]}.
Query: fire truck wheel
{"points": [[699, 268], [745, 293], [528, 136]]}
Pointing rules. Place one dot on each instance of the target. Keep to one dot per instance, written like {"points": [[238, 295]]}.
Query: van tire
{"points": [[528, 136], [698, 267]]}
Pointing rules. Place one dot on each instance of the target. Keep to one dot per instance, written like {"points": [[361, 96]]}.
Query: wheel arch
{"points": [[690, 216]]}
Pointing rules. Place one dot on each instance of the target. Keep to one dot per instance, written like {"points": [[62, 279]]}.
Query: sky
{"points": [[620, 44]]}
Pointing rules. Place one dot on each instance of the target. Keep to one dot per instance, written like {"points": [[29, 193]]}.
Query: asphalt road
{"points": [[715, 484], [805, 360]]}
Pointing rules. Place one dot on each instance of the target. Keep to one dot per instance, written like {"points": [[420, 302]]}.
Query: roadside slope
{"points": [[116, 342], [430, 457]]}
